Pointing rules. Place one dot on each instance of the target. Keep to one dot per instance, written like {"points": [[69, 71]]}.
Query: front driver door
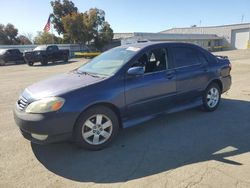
{"points": [[152, 92]]}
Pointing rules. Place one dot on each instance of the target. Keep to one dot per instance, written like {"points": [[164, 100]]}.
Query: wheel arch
{"points": [[217, 81], [106, 104]]}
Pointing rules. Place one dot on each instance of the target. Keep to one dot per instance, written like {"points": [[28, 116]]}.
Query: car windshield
{"points": [[38, 48], [2, 51], [108, 63]]}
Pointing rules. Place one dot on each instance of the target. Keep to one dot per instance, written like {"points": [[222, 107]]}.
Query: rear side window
{"points": [[185, 56], [203, 59], [12, 52], [16, 52], [50, 48]]}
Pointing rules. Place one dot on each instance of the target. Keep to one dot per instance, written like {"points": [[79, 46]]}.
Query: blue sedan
{"points": [[120, 88]]}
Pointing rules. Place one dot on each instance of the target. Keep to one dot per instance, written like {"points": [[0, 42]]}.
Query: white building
{"points": [[235, 36], [207, 41]]}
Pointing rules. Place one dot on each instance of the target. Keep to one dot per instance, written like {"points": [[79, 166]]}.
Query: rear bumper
{"points": [[226, 82], [55, 126]]}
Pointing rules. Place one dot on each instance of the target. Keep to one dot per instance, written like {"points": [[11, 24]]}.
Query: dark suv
{"points": [[10, 56], [45, 54], [120, 88]]}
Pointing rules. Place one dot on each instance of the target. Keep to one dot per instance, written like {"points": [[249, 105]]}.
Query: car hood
{"points": [[59, 85]]}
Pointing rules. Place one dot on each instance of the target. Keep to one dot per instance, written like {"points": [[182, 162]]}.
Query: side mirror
{"points": [[134, 71]]}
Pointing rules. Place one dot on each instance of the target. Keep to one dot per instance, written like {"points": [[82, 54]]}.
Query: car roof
{"points": [[147, 44]]}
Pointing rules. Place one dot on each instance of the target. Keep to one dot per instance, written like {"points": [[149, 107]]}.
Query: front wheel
{"points": [[211, 97], [96, 128]]}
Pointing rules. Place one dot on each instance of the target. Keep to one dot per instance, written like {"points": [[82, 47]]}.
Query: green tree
{"points": [[61, 9], [3, 36], [74, 27], [99, 30], [8, 34], [11, 33], [105, 35], [29, 36], [47, 38], [23, 40]]}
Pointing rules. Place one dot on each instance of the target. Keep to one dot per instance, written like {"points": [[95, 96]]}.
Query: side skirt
{"points": [[181, 107]]}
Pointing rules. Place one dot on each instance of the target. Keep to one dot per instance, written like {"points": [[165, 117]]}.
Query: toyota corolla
{"points": [[120, 88]]}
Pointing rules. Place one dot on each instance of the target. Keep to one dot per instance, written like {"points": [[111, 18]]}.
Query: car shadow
{"points": [[13, 64], [157, 146]]}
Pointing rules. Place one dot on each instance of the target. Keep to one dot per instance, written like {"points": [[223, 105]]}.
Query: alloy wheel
{"points": [[213, 96], [97, 129]]}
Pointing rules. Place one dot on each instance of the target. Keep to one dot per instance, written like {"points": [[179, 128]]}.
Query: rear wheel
{"points": [[2, 62], [30, 63], [211, 97], [44, 61], [96, 128], [66, 59]]}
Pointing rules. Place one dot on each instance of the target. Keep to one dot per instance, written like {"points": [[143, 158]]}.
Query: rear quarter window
{"points": [[185, 56], [16, 52]]}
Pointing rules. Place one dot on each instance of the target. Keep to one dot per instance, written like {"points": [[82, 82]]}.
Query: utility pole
{"points": [[242, 18]]}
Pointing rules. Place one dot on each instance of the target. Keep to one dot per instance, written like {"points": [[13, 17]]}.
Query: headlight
{"points": [[49, 104]]}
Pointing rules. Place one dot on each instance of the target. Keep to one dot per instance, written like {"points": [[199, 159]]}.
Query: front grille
{"points": [[22, 103]]}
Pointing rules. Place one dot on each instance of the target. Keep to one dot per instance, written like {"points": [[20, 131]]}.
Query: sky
{"points": [[30, 16]]}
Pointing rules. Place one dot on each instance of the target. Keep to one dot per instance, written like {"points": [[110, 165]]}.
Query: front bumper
{"points": [[58, 126]]}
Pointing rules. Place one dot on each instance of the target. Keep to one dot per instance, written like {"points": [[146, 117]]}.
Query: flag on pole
{"points": [[47, 26]]}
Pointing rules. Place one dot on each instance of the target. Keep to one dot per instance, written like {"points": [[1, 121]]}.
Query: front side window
{"points": [[185, 56], [153, 61]]}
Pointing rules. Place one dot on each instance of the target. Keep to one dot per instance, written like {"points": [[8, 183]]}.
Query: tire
{"points": [[92, 135], [30, 63], [66, 59], [44, 62], [211, 97], [2, 62]]}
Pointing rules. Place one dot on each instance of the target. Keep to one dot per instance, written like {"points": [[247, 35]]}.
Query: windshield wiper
{"points": [[88, 73], [91, 74]]}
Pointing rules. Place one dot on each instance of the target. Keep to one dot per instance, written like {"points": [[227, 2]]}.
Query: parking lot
{"points": [[186, 149]]}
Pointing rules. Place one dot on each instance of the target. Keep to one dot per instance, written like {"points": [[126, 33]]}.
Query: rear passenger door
{"points": [[191, 72], [12, 55], [16, 55], [8, 56]]}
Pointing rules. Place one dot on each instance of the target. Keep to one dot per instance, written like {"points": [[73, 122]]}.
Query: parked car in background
{"points": [[120, 88], [10, 56], [45, 54]]}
